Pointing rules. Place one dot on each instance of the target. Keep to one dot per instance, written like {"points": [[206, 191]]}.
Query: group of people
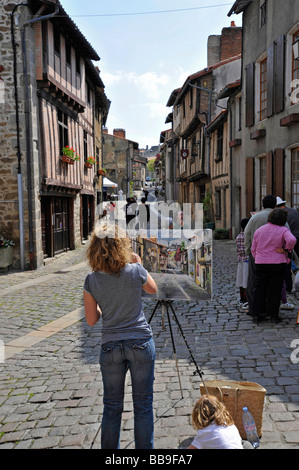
{"points": [[264, 249], [127, 344], [134, 210]]}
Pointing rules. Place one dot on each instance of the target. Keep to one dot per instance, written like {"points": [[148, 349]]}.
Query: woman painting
{"points": [[113, 291]]}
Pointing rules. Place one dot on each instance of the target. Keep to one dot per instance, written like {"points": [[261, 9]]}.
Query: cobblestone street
{"points": [[51, 389]]}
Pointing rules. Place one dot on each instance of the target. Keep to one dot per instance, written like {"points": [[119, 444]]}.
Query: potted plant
{"points": [[90, 161], [6, 252], [101, 172], [69, 155]]}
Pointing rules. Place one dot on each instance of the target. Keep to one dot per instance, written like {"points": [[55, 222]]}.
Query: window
{"points": [[194, 147], [57, 44], [78, 67], [263, 13], [98, 156], [191, 98], [68, 53], [263, 89], [295, 68], [218, 204], [263, 177], [219, 155], [295, 178], [240, 114], [87, 93], [85, 147], [63, 129]]}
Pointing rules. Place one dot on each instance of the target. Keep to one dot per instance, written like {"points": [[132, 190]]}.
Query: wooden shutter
{"points": [[249, 193], [250, 94], [279, 172], [270, 79], [269, 172], [279, 72]]}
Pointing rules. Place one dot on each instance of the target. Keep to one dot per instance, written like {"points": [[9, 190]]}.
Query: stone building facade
{"points": [[265, 109], [118, 156]]}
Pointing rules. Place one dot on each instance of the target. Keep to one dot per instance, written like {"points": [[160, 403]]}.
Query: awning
{"points": [[107, 183]]}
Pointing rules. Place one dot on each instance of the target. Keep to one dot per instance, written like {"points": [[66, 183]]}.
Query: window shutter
{"points": [[250, 94], [279, 75], [269, 172], [249, 185], [270, 79], [279, 172]]}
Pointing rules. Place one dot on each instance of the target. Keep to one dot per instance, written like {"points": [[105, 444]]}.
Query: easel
{"points": [[165, 305]]}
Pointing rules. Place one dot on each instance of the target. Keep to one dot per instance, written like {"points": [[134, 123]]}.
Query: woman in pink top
{"points": [[270, 247]]}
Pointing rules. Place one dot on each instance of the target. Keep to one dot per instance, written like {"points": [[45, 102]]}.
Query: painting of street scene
{"points": [[182, 268]]}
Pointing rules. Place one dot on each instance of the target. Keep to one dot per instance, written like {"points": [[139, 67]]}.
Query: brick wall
{"points": [[231, 42]]}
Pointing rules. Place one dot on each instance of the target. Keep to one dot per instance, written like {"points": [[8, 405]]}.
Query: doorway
{"points": [[55, 223]]}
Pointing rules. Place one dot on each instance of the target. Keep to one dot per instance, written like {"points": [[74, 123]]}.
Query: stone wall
{"points": [[9, 213]]}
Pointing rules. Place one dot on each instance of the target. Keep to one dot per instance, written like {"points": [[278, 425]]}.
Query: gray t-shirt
{"points": [[119, 298]]}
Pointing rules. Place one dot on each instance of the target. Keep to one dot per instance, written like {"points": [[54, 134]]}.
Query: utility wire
{"points": [[151, 12]]}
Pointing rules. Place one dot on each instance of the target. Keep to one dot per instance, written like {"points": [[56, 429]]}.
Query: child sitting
{"points": [[215, 426]]}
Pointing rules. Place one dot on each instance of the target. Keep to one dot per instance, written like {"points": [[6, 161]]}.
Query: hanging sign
{"points": [[184, 153]]}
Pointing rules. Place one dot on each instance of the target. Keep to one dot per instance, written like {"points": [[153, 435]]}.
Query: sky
{"points": [[147, 50]]}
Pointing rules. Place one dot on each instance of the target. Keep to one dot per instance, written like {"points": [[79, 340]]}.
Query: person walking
{"points": [[144, 214], [257, 220], [127, 342], [270, 247], [242, 268]]}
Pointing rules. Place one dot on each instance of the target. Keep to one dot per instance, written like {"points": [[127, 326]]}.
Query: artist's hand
{"points": [[280, 250], [135, 258]]}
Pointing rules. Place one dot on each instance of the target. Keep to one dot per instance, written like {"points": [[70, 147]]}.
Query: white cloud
{"points": [[151, 84]]}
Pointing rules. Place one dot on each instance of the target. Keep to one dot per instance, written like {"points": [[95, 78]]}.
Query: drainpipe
{"points": [[19, 155], [28, 135]]}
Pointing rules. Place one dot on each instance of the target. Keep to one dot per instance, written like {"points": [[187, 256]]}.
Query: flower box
{"points": [[66, 159], [6, 256]]}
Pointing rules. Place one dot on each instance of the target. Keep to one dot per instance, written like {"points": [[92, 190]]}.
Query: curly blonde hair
{"points": [[209, 409], [109, 249]]}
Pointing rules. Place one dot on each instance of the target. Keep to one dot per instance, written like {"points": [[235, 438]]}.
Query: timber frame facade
{"points": [[62, 104]]}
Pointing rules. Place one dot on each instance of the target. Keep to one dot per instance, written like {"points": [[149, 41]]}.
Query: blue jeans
{"points": [[116, 358]]}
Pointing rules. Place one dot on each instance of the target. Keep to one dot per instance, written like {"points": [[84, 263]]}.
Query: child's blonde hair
{"points": [[109, 249], [209, 409]]}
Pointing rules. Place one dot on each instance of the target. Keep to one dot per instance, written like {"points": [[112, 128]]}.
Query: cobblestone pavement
{"points": [[51, 390]]}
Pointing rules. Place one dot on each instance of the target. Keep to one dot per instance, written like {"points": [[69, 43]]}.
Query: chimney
{"points": [[119, 133], [226, 45], [231, 41]]}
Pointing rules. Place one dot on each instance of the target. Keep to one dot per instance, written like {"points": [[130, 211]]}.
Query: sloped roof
{"points": [[222, 115], [201, 73], [70, 29], [229, 89], [239, 6]]}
